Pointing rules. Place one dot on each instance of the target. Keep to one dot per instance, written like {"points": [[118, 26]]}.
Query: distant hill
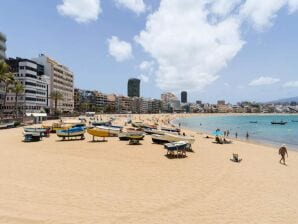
{"points": [[285, 100]]}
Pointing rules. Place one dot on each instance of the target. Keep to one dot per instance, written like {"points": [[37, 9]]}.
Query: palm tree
{"points": [[56, 96], [18, 89], [8, 80], [5, 77]]}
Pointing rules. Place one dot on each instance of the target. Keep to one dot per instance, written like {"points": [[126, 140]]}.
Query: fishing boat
{"points": [[32, 136], [294, 120], [170, 129], [176, 145], [253, 122], [151, 131], [279, 122], [57, 126], [137, 124], [125, 136], [41, 131], [71, 132], [169, 137], [113, 131], [103, 131], [7, 125], [102, 123]]}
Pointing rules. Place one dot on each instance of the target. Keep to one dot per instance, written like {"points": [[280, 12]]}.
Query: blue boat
{"points": [[71, 132]]}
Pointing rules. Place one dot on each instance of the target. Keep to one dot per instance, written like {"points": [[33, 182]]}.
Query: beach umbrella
{"points": [[217, 133]]}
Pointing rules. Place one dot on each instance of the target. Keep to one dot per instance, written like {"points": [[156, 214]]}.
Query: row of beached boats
{"points": [[71, 129]]}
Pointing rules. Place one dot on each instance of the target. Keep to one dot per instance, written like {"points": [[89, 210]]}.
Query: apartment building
{"points": [[61, 80], [35, 97]]}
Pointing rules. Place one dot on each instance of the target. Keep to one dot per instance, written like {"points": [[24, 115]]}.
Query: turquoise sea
{"points": [[261, 132]]}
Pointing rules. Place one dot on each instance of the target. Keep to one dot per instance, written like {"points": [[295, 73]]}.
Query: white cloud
{"points": [[137, 6], [192, 41], [261, 13], [189, 51], [224, 7], [293, 5], [263, 80], [146, 65], [119, 49], [144, 78], [292, 84], [82, 11]]}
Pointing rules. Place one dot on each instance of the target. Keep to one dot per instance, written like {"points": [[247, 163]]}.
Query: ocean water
{"points": [[262, 132]]}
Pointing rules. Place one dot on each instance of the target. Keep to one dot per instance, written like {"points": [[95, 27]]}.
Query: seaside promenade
{"points": [[112, 182]]}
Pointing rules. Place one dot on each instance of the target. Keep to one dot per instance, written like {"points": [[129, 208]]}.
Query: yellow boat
{"points": [[94, 131]]}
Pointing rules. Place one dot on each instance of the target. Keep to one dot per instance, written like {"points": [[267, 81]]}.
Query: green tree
{"points": [[18, 89], [56, 96], [6, 78]]}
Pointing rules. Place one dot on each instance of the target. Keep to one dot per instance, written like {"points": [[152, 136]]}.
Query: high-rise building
{"points": [[2, 46], [183, 97], [221, 102], [167, 97], [133, 87], [61, 80], [35, 95]]}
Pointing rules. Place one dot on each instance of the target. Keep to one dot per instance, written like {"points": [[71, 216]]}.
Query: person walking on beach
{"points": [[282, 152]]}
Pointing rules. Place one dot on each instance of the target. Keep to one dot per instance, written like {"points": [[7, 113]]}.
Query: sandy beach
{"points": [[112, 182]]}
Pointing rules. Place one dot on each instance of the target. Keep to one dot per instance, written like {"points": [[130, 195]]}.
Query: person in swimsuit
{"points": [[282, 152]]}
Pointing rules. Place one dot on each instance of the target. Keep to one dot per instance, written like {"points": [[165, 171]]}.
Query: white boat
{"points": [[7, 125], [168, 137], [113, 131]]}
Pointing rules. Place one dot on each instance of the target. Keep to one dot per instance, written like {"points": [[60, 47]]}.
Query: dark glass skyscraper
{"points": [[133, 87], [183, 97], [2, 46]]}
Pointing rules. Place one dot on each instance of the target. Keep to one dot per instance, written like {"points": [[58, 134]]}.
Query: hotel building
{"points": [[36, 84], [61, 80]]}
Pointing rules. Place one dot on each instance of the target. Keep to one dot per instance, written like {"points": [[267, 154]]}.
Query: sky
{"points": [[233, 50]]}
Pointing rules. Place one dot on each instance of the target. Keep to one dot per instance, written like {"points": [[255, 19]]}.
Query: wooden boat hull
{"points": [[98, 132], [176, 145], [279, 123], [113, 132], [160, 139], [72, 132], [7, 125], [128, 136]]}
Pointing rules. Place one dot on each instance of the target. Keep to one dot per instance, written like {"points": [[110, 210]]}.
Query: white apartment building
{"points": [[35, 95], [61, 80]]}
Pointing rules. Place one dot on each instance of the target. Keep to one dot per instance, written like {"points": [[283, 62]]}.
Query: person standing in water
{"points": [[247, 135], [282, 152], [236, 134]]}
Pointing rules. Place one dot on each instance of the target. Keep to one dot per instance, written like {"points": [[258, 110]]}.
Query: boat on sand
{"points": [[168, 137], [71, 132], [126, 136]]}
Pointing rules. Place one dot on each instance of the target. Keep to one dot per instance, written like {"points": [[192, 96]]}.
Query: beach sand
{"points": [[112, 182]]}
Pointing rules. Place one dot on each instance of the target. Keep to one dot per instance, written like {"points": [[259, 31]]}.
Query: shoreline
{"points": [[256, 143]]}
